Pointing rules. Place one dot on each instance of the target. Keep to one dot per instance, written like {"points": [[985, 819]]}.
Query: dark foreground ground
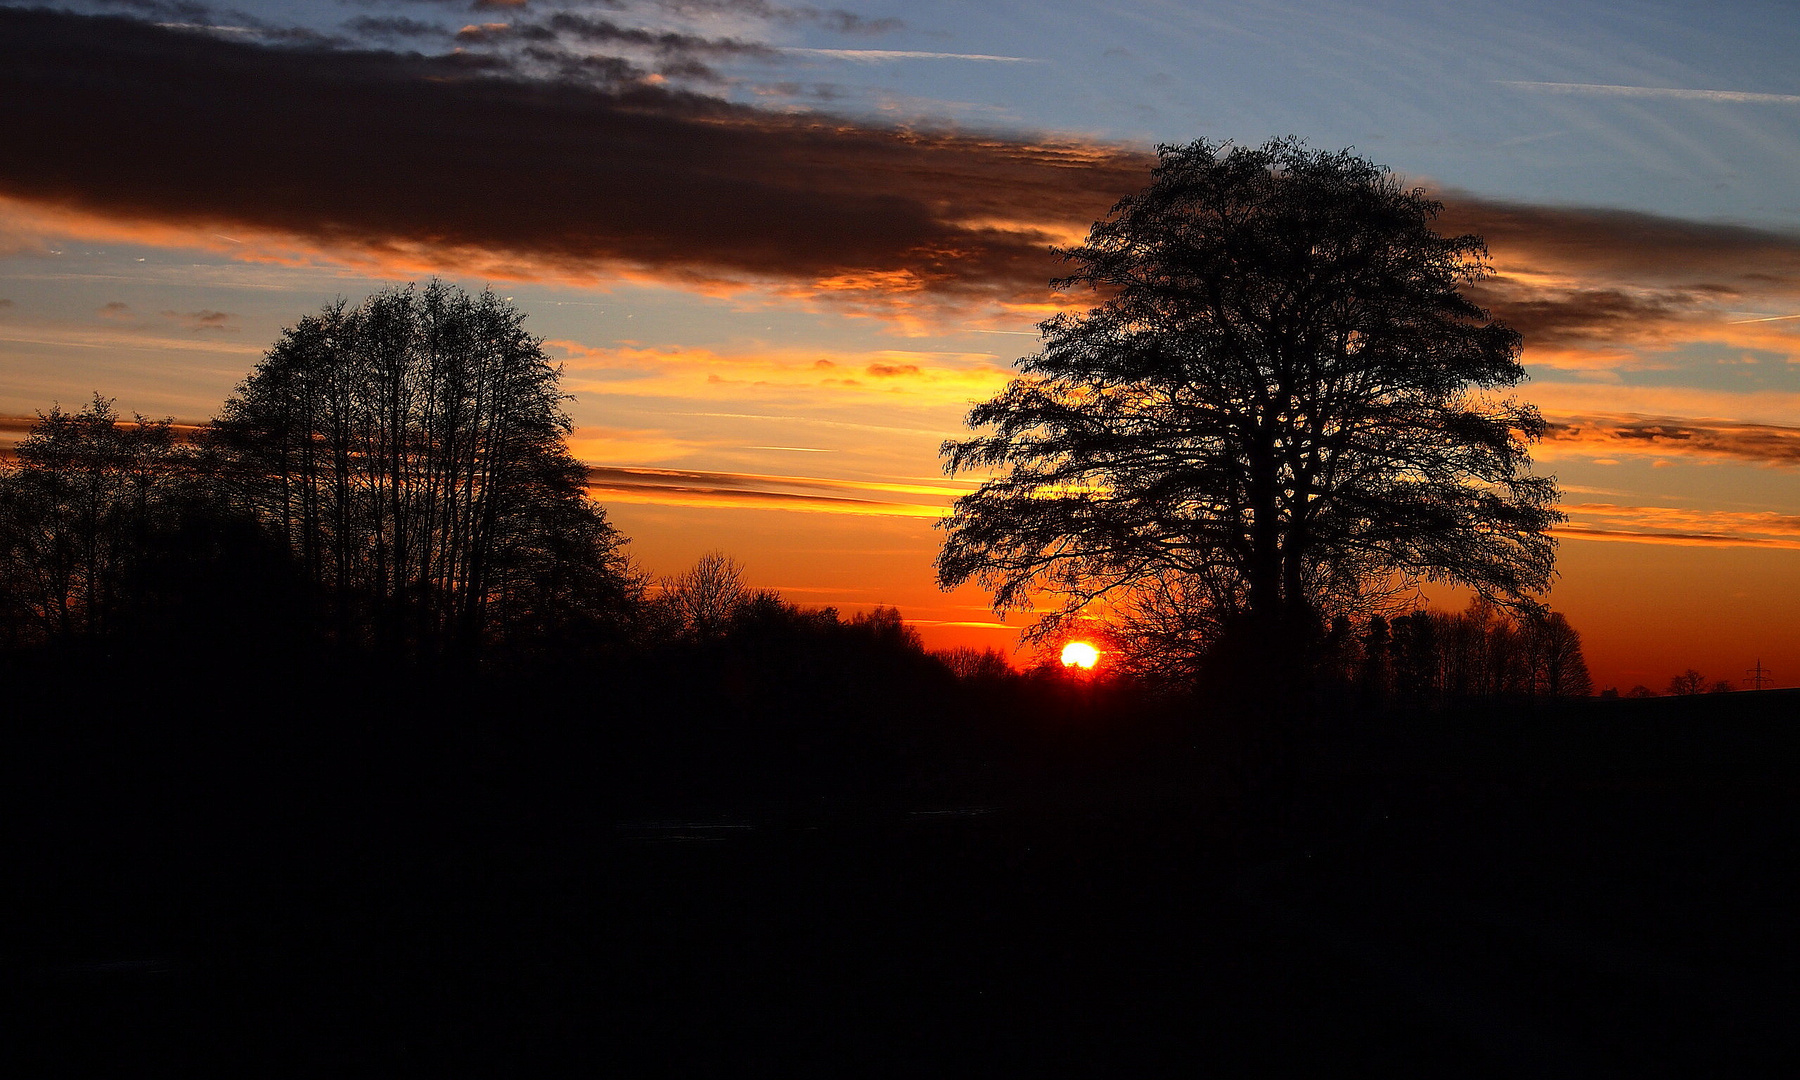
{"points": [[1607, 890]]}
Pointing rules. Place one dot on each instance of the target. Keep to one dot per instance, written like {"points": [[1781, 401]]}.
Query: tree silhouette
{"points": [[969, 663], [1558, 667], [76, 515], [1281, 409], [1688, 682], [410, 452], [704, 601]]}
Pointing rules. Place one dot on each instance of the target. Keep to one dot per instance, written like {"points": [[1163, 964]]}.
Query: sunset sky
{"points": [[780, 248]]}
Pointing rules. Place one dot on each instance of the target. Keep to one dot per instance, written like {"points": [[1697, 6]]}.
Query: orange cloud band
{"points": [[1762, 444]]}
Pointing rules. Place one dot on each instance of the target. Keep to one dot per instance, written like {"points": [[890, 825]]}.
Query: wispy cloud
{"points": [[785, 373], [1668, 92], [683, 487], [883, 55], [1761, 444], [1681, 526]]}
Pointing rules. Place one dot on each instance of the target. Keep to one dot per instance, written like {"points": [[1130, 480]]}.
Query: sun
{"points": [[1080, 654]]}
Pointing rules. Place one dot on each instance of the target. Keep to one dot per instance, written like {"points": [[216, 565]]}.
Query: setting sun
{"points": [[1080, 654]]}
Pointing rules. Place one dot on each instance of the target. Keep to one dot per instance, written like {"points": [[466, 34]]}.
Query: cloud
{"points": [[5, 303], [384, 27], [202, 320], [681, 487], [488, 171], [1735, 97], [1761, 444], [874, 56], [1680, 525], [1551, 317], [1605, 289], [894, 375], [1582, 244], [506, 176], [835, 19]]}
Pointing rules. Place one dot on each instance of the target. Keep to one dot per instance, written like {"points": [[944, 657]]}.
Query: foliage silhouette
{"points": [[77, 515], [410, 452], [1282, 409], [1688, 682], [1432, 658], [971, 664]]}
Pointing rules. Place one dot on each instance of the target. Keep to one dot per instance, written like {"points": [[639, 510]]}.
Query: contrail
{"points": [[1606, 90], [1770, 318]]}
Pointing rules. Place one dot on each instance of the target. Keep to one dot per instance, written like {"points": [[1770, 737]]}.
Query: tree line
{"points": [[393, 480]]}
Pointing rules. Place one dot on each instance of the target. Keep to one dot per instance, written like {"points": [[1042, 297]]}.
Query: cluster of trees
{"points": [[710, 603], [82, 514], [393, 476], [402, 461], [1283, 414], [1428, 657], [1687, 683], [1424, 657], [410, 453]]}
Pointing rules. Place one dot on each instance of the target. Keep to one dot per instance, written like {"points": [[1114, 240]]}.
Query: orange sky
{"points": [[767, 348]]}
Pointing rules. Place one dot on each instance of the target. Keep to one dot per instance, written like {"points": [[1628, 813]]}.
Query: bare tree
{"points": [[706, 599], [410, 451], [1688, 682], [1558, 667], [77, 511], [974, 664]]}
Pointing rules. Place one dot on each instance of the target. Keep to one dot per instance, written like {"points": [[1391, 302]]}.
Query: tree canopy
{"points": [[410, 451], [76, 515], [1282, 408]]}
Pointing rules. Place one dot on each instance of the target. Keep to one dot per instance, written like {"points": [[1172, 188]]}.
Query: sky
{"points": [[780, 248]]}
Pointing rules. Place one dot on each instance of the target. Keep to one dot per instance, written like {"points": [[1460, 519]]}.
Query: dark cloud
{"points": [[372, 150], [1643, 537], [1622, 245], [5, 303], [563, 43], [843, 22], [606, 32], [678, 486], [464, 160], [1764, 444], [201, 320], [392, 26], [1549, 317], [183, 10]]}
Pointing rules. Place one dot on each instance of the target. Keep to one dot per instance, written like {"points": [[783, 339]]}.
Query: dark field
{"points": [[739, 878]]}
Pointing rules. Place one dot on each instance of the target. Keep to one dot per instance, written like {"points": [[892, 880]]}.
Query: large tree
{"points": [[1281, 408], [410, 450]]}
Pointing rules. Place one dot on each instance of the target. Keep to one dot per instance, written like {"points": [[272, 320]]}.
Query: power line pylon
{"points": [[1758, 676]]}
